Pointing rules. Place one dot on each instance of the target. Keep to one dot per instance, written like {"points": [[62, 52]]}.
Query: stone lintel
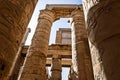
{"points": [[63, 6], [63, 10], [63, 50], [64, 62]]}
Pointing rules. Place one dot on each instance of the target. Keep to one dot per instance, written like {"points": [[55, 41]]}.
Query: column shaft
{"points": [[104, 32], [56, 69], [80, 49], [14, 18], [35, 65]]}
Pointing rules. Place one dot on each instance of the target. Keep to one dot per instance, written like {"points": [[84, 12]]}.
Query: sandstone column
{"points": [[56, 68], [81, 58], [35, 65], [14, 18], [103, 25]]}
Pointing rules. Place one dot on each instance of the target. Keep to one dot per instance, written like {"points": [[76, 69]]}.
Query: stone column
{"points": [[81, 58], [14, 18], [56, 68], [103, 25], [35, 65]]}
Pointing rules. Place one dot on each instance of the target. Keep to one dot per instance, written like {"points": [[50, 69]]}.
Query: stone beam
{"points": [[62, 10], [63, 53], [62, 6], [63, 50], [64, 62], [60, 49]]}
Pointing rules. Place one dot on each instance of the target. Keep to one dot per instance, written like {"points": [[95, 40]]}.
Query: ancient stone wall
{"points": [[14, 18]]}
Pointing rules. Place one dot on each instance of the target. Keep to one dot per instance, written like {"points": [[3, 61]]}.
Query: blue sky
{"points": [[62, 23]]}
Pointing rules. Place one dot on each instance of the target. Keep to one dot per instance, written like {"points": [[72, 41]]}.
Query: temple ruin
{"points": [[90, 48]]}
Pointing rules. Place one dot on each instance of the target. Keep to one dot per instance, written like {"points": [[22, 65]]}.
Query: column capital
{"points": [[56, 64], [76, 13], [77, 16], [47, 14]]}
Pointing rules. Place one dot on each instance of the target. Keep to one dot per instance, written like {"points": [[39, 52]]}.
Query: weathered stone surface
{"points": [[34, 66], [14, 18], [63, 10], [57, 49], [97, 64], [56, 68], [60, 49], [81, 59], [102, 19], [104, 31]]}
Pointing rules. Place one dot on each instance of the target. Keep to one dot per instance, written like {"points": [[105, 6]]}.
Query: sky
{"points": [[62, 23]]}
